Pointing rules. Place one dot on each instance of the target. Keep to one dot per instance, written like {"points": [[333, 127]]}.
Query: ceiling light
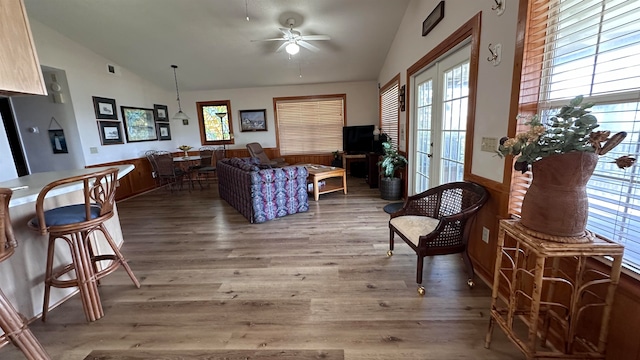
{"points": [[292, 48], [179, 115]]}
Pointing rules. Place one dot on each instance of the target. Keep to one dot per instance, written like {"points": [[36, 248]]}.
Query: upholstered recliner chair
{"points": [[256, 151], [437, 222]]}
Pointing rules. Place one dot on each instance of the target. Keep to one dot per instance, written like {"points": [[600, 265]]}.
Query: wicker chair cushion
{"points": [[412, 226], [65, 215]]}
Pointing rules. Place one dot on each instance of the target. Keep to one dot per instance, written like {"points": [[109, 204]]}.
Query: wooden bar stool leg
{"points": [[16, 330], [47, 278], [119, 255]]}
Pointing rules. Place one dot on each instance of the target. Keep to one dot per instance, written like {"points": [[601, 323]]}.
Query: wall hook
{"points": [[496, 54], [499, 6]]}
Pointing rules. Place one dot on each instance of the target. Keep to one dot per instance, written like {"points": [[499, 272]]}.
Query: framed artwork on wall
{"points": [[105, 108], [139, 124], [110, 132], [253, 120], [58, 141], [160, 112], [433, 19], [164, 131]]}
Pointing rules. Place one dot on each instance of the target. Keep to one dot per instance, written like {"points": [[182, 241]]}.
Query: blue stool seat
{"points": [[65, 215], [393, 207]]}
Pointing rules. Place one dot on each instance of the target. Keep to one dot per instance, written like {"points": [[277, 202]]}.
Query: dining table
{"points": [[188, 164]]}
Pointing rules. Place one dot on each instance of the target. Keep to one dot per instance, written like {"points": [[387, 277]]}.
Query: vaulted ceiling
{"points": [[210, 40]]}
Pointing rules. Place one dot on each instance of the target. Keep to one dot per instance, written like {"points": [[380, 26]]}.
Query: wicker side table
{"points": [[544, 294]]}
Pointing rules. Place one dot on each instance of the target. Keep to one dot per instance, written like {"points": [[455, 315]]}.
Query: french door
{"points": [[439, 111]]}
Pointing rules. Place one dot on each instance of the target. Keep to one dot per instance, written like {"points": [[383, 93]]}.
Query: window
{"points": [[310, 125], [214, 119], [389, 110], [590, 48]]}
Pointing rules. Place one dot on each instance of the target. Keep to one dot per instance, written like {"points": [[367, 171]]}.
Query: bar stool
{"points": [[11, 322], [75, 224]]}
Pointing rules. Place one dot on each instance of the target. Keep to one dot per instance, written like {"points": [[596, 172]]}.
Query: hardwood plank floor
{"points": [[316, 285]]}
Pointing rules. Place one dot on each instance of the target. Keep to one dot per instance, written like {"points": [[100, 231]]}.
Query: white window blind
{"points": [[389, 112], [590, 48], [310, 125]]}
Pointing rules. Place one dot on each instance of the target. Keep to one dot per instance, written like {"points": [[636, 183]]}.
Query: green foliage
{"points": [[391, 160], [568, 130]]}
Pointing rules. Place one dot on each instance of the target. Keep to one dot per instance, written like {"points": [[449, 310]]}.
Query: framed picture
{"points": [[110, 132], [164, 131], [139, 124], [58, 141], [105, 108], [433, 19], [253, 120], [160, 112]]}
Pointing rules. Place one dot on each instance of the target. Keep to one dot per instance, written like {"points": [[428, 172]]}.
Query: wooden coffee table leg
{"points": [[316, 189], [344, 181]]}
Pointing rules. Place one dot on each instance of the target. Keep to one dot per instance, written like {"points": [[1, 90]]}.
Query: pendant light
{"points": [[179, 115]]}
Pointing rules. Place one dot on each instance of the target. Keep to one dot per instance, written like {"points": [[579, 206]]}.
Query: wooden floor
{"points": [[315, 285]]}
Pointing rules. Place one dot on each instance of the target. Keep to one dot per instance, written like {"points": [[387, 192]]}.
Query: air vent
{"points": [[113, 69]]}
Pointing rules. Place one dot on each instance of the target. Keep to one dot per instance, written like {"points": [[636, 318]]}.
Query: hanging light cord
{"points": [[175, 77], [246, 9]]}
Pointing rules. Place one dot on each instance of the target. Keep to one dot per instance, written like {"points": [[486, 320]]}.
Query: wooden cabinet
{"points": [[20, 71]]}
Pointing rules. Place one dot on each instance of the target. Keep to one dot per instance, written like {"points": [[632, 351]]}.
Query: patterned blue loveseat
{"points": [[262, 194]]}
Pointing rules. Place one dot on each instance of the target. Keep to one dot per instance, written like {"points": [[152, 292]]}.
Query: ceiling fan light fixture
{"points": [[292, 48]]}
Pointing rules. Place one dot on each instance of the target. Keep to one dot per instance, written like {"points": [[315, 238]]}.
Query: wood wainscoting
{"points": [[141, 180]]}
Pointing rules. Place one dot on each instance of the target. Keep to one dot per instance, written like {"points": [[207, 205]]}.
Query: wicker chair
{"points": [[12, 323], [435, 222], [256, 151]]}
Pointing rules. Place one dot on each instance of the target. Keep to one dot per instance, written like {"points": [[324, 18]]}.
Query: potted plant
{"points": [[562, 154], [391, 186]]}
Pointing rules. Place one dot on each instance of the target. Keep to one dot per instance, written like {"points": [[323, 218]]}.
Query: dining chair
{"points": [[168, 173], [207, 166]]}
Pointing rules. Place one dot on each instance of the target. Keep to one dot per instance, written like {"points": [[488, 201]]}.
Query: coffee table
{"points": [[321, 172]]}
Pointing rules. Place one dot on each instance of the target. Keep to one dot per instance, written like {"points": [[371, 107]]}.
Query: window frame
{"points": [[203, 135]]}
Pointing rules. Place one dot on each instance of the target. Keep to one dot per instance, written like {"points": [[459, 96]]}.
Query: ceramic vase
{"points": [[556, 203]]}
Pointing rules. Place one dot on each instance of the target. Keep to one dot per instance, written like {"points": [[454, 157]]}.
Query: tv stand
{"points": [[347, 158]]}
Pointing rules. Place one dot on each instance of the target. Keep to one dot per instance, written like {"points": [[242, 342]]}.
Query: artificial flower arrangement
{"points": [[571, 129]]}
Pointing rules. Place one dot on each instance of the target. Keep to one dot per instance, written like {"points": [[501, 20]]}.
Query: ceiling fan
{"points": [[293, 39]]}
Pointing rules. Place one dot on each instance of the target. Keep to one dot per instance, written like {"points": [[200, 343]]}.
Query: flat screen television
{"points": [[357, 139]]}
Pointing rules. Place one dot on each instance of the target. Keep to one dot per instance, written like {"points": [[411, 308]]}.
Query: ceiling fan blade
{"points": [[281, 47], [308, 46], [287, 32], [274, 39], [315, 37]]}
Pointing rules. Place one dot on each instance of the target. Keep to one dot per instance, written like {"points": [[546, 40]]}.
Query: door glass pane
{"points": [[423, 135], [454, 121]]}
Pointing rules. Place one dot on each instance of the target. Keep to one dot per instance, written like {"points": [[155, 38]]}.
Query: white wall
{"points": [[87, 76], [494, 82], [362, 108]]}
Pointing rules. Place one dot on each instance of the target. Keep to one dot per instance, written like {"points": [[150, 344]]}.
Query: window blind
{"points": [[310, 125], [389, 112], [590, 48]]}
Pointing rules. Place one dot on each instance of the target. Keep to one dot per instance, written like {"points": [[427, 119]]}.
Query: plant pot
{"points": [[391, 188], [556, 203]]}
